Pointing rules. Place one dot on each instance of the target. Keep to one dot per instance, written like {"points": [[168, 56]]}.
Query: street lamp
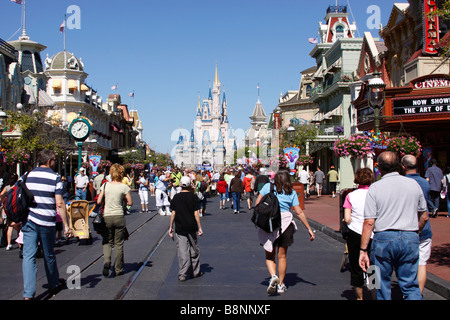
{"points": [[291, 132], [376, 98], [3, 118]]}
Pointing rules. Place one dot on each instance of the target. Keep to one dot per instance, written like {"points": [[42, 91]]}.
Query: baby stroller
{"points": [[78, 213]]}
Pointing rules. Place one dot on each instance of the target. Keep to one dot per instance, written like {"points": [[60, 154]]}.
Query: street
{"points": [[231, 259]]}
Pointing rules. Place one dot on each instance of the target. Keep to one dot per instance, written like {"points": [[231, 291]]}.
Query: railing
{"points": [[332, 129], [337, 9]]}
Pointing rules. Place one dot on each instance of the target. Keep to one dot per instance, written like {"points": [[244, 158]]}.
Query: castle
{"points": [[211, 143]]}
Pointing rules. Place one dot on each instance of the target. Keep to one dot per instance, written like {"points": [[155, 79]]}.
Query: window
{"points": [[339, 31], [27, 61]]}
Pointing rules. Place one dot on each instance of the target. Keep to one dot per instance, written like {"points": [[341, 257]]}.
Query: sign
{"points": [[430, 27], [419, 106], [94, 161], [291, 154], [431, 83]]}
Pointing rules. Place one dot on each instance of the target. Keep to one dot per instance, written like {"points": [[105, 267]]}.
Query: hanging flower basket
{"points": [[304, 160], [15, 156], [139, 166], [356, 146], [105, 163], [404, 145]]}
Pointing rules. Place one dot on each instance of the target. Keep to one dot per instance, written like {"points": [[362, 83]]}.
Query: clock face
{"points": [[79, 130]]}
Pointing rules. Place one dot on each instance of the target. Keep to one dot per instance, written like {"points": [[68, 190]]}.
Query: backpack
{"points": [[203, 186], [267, 215], [17, 201]]}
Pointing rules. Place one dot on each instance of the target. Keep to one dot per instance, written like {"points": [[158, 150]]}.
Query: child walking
{"points": [[222, 190], [185, 214]]}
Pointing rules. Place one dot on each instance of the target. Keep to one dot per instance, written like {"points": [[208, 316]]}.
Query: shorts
{"points": [[424, 251], [248, 195], [286, 239], [318, 186]]}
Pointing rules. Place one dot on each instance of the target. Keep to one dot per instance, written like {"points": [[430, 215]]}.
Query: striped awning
{"points": [[317, 117], [45, 100], [336, 112]]}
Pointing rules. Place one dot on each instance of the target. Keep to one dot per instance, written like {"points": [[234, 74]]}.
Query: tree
{"points": [[302, 134]]}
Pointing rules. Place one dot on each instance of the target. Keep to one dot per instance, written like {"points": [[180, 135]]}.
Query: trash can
{"points": [[298, 187]]}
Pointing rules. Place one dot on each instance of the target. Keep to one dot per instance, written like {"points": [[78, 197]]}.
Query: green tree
{"points": [[302, 134]]}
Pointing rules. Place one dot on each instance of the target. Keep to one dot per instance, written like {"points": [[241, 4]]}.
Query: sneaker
{"points": [[281, 288], [9, 247], [274, 281], [106, 270]]}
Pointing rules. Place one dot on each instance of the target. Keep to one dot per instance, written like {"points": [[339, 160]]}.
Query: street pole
{"points": [[80, 149]]}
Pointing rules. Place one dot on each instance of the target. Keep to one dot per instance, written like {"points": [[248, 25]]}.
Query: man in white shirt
{"points": [[81, 184], [303, 176]]}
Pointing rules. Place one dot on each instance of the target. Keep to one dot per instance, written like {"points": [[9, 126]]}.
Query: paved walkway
{"points": [[325, 212]]}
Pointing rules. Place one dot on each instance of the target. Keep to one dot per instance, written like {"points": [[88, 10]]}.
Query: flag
{"points": [[17, 1], [131, 94], [312, 40], [114, 87], [62, 26]]}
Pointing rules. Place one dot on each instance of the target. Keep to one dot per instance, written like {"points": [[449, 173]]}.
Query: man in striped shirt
{"points": [[39, 227]]}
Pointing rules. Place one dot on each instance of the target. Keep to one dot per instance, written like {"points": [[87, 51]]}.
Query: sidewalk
{"points": [[323, 214]]}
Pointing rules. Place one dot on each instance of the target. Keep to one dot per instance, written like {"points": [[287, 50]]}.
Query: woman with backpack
{"points": [[281, 239]]}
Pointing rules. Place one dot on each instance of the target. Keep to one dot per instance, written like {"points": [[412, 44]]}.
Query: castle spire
{"points": [[216, 78]]}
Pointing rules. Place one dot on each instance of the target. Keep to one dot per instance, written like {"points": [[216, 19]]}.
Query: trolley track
{"points": [[48, 295]]}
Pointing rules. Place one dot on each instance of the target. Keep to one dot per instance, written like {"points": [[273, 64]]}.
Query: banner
{"points": [[291, 154], [94, 161]]}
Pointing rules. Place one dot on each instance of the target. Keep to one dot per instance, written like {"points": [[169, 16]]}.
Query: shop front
{"points": [[421, 109]]}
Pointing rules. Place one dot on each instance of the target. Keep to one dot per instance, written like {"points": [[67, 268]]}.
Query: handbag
{"points": [[99, 221]]}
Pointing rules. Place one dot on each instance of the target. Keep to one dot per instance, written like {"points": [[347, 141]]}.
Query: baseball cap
{"points": [[185, 182]]}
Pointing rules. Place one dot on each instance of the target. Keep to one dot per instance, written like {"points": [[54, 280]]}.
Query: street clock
{"points": [[80, 129]]}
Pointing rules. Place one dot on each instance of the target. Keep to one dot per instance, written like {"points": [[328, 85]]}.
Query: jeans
{"points": [[80, 194], [236, 200], [448, 203], [397, 250], [433, 201], [32, 234]]}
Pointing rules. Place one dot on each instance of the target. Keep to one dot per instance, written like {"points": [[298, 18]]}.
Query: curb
{"points": [[434, 283]]}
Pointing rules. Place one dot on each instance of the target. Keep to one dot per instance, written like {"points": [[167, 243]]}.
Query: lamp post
{"points": [[3, 118], [291, 132], [376, 98]]}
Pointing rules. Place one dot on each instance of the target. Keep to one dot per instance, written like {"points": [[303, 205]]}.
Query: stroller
{"points": [[78, 221]]}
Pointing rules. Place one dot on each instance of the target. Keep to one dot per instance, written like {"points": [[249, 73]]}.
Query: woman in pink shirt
{"points": [[354, 218]]}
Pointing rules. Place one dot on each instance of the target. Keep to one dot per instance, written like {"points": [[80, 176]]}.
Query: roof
{"points": [[65, 61]]}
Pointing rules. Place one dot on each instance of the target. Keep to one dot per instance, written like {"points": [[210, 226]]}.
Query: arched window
{"points": [[340, 31]]}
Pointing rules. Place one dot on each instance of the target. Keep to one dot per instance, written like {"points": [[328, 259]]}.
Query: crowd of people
{"points": [[388, 219], [389, 228]]}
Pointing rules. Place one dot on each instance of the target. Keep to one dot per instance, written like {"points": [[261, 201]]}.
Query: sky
{"points": [[165, 51]]}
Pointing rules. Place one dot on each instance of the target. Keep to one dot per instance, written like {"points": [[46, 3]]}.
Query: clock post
{"points": [[80, 129]]}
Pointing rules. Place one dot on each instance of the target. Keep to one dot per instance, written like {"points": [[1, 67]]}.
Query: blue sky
{"points": [[165, 50]]}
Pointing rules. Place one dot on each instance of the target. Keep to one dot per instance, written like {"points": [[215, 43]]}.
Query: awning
{"points": [[317, 117], [84, 87], [56, 84], [336, 112], [45, 100], [72, 84]]}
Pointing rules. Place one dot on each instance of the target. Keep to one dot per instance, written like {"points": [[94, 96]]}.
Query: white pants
{"points": [[161, 199], [143, 194]]}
